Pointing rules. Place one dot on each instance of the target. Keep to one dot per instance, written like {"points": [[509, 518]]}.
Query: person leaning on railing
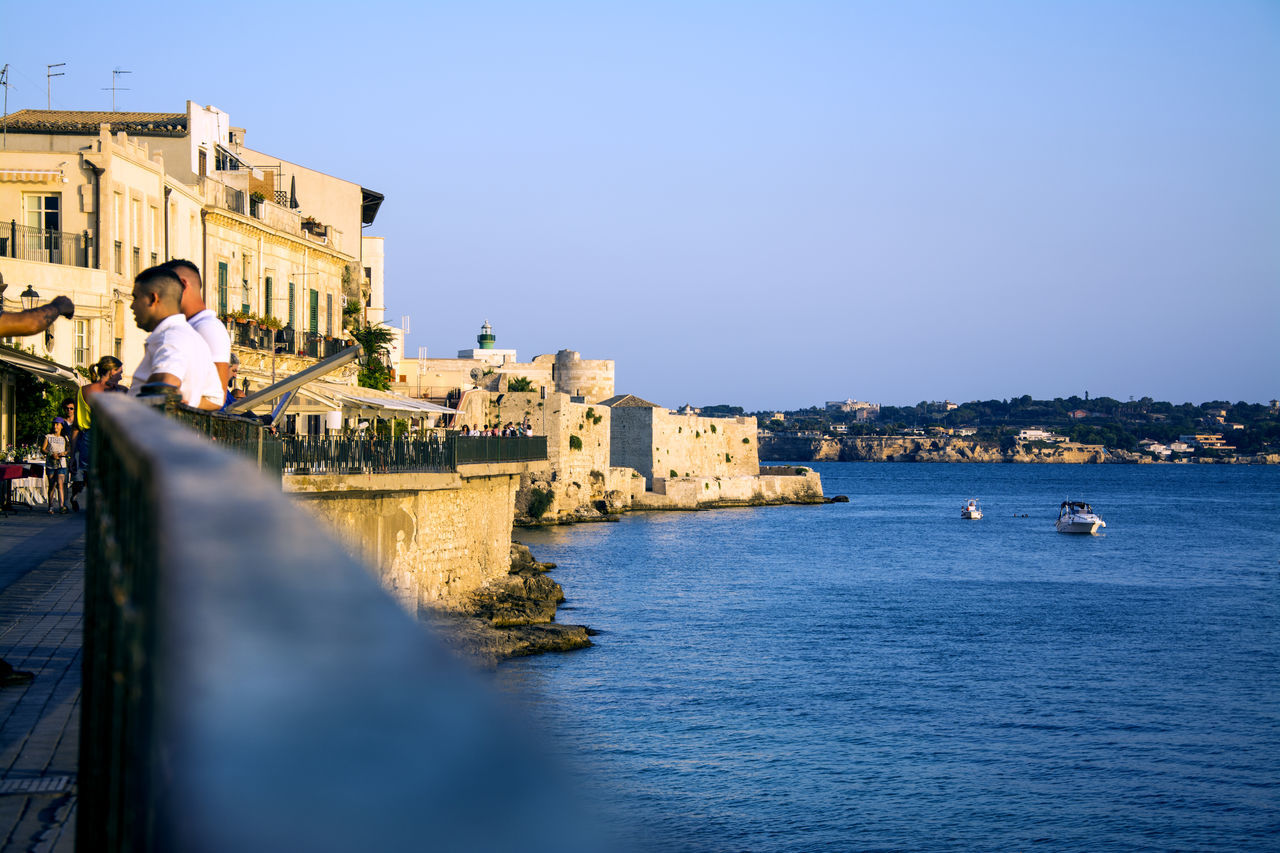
{"points": [[175, 357], [201, 317]]}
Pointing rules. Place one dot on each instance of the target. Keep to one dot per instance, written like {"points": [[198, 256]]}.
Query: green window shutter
{"points": [[266, 299], [292, 302], [328, 313], [315, 311], [222, 289]]}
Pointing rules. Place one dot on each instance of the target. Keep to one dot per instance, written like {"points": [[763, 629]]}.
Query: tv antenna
{"points": [[4, 81], [114, 88], [404, 323], [49, 75]]}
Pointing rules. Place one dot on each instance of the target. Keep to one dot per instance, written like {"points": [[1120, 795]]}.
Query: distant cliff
{"points": [[897, 448]]}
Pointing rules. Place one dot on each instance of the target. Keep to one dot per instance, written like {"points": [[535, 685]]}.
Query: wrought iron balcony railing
{"points": [[41, 244]]}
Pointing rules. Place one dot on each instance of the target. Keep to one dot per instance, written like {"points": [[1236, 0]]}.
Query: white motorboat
{"points": [[971, 510], [1078, 517]]}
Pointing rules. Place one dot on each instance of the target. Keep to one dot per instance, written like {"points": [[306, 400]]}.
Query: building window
{"points": [[314, 314], [202, 163], [44, 211], [119, 258], [292, 302], [117, 348], [222, 289], [328, 314], [137, 261], [44, 218], [244, 296], [82, 343], [266, 299]]}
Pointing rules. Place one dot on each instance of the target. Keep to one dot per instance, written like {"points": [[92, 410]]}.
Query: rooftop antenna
{"points": [[4, 81], [404, 324], [49, 75], [114, 74]]}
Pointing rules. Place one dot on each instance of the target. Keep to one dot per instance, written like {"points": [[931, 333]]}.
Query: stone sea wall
{"points": [[779, 486], [433, 539]]}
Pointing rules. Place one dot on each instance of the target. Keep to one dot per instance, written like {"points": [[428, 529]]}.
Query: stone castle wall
{"points": [[580, 478], [656, 442]]}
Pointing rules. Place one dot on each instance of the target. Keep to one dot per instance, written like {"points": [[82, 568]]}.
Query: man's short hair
{"points": [[161, 281], [182, 263]]}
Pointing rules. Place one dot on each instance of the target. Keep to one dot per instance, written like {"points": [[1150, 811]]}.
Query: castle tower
{"points": [[486, 338]]}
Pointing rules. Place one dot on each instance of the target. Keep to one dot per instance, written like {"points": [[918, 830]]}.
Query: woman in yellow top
{"points": [[106, 375]]}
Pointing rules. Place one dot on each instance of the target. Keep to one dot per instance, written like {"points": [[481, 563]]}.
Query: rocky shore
{"points": [[512, 617]]}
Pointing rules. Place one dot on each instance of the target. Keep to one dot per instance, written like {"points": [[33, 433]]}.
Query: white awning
{"points": [[50, 371], [368, 398], [32, 176]]}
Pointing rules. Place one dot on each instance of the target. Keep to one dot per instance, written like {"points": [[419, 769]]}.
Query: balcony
{"points": [[50, 247], [253, 335]]}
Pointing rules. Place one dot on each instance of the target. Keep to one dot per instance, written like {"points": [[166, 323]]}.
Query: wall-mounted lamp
{"points": [[30, 299]]}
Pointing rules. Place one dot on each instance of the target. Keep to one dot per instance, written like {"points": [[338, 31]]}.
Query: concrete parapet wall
{"points": [[431, 538]]}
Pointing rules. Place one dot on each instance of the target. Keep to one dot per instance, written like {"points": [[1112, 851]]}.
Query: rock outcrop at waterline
{"points": [[512, 617]]}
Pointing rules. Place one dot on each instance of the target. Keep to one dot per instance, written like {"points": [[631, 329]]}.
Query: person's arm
{"points": [[37, 319], [44, 445], [224, 372], [163, 379]]}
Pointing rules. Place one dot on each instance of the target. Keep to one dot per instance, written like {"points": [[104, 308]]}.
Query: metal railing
{"points": [[316, 345], [234, 199], [305, 454], [248, 686], [471, 450], [348, 455], [241, 434], [41, 244]]}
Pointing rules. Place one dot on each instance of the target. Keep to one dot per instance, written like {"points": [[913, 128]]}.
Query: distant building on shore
{"points": [[861, 411]]}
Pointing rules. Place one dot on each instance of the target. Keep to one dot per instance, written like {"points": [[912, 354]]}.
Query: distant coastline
{"points": [[953, 449]]}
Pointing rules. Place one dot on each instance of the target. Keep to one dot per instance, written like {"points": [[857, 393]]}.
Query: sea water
{"points": [[883, 674]]}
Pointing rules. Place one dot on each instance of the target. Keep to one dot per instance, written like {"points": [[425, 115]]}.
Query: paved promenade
{"points": [[41, 620]]}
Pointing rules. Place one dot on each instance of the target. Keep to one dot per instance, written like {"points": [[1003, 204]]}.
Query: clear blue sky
{"points": [[770, 204]]}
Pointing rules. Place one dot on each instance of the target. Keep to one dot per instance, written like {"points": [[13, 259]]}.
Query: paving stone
{"points": [[41, 625]]}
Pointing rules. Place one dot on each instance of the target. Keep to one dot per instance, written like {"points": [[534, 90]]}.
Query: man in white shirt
{"points": [[175, 354], [202, 318]]}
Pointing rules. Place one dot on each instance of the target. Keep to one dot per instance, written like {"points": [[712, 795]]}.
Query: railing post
{"points": [[13, 238]]}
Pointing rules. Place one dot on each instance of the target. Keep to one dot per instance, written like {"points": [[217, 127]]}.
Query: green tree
{"points": [[520, 383], [376, 341], [36, 404]]}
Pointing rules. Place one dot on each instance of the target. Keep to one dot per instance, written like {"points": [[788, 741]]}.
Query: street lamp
{"points": [[29, 298]]}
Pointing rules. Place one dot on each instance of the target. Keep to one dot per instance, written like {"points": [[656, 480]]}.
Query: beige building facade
{"points": [[89, 199]]}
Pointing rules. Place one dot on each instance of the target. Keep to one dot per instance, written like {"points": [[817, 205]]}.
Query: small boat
{"points": [[1078, 517], [971, 510]]}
